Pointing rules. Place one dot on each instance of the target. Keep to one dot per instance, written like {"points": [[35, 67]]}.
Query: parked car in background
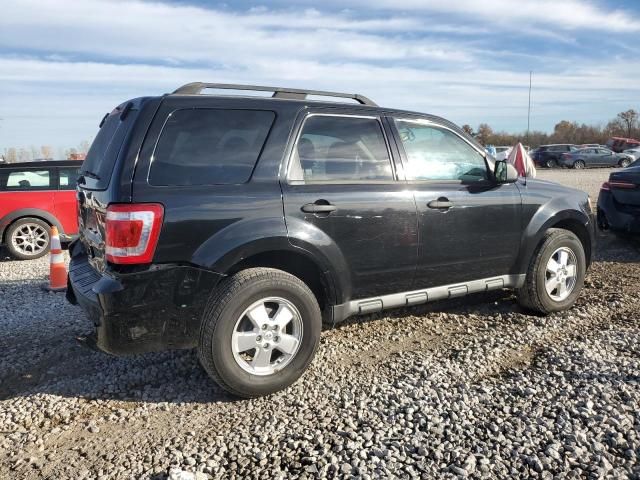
{"points": [[620, 144], [502, 152], [235, 224], [549, 155], [594, 157], [619, 201], [633, 153], [33, 197]]}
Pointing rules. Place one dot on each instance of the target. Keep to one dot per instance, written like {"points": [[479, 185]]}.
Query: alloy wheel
{"points": [[30, 239], [267, 336], [561, 274]]}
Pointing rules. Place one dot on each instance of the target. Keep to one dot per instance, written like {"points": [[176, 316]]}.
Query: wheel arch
{"points": [[574, 221], [297, 264], [16, 215]]}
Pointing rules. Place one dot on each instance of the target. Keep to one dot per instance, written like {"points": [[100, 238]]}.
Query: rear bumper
{"points": [[611, 215], [157, 309]]}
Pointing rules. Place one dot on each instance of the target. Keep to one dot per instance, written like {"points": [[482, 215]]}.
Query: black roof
{"points": [[45, 163]]}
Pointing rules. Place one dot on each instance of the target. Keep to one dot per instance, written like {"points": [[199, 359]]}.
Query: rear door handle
{"points": [[440, 204], [318, 208]]}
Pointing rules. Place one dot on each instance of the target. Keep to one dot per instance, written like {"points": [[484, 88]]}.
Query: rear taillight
{"points": [[132, 232], [605, 186], [621, 184]]}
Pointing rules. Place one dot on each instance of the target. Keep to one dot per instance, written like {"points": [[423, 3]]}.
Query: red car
{"points": [[33, 197]]}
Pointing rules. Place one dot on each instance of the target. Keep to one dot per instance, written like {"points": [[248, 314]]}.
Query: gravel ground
{"points": [[467, 388]]}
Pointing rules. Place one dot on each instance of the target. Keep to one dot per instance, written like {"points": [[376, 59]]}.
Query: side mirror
{"points": [[504, 172]]}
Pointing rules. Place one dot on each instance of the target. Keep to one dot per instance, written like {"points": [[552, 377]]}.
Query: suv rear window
{"points": [[209, 146], [102, 155]]}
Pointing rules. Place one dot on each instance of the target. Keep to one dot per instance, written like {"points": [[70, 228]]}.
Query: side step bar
{"points": [[416, 297]]}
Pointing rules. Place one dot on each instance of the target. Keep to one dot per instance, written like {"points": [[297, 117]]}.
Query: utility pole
{"points": [[529, 109]]}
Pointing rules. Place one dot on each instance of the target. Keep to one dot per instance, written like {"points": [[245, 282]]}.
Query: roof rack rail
{"points": [[196, 88]]}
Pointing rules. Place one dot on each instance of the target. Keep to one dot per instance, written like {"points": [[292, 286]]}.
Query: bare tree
{"points": [[47, 152], [83, 146], [11, 155], [468, 130], [485, 132], [629, 118]]}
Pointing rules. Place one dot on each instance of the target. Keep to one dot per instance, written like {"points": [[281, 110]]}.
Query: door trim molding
{"points": [[417, 297]]}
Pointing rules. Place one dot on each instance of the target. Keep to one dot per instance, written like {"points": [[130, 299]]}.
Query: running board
{"points": [[417, 297]]}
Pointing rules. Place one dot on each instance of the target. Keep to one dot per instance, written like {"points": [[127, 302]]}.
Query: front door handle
{"points": [[441, 203], [317, 207]]}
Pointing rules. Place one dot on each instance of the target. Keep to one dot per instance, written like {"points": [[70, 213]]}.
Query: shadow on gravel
{"points": [[39, 354], [617, 247]]}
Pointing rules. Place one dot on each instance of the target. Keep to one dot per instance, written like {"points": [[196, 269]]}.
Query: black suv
{"points": [[549, 155], [237, 224]]}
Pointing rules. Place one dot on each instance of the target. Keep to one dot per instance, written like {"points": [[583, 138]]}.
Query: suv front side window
{"points": [[334, 148], [437, 153]]}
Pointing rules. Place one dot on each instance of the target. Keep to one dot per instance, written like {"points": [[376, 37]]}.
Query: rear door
{"points": [[342, 188], [25, 188], [469, 226]]}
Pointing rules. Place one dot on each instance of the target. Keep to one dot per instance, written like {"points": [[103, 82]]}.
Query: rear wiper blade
{"points": [[87, 173]]}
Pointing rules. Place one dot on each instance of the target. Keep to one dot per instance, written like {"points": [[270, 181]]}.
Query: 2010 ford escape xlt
{"points": [[237, 224]]}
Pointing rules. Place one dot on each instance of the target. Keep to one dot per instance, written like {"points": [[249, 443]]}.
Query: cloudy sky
{"points": [[64, 64]]}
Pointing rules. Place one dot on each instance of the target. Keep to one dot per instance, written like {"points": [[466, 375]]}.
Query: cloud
{"points": [[62, 67], [563, 14]]}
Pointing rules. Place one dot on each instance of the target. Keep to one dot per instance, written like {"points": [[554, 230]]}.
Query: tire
{"points": [[578, 164], [533, 295], [227, 312], [624, 163], [550, 163], [28, 238]]}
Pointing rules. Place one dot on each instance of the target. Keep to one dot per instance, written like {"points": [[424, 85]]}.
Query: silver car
{"points": [[594, 157]]}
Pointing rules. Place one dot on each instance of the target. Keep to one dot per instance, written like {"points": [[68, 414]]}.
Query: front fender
{"points": [[558, 210]]}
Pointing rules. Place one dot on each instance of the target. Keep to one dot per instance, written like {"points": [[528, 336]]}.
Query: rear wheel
{"points": [[578, 164], [550, 163], [28, 238], [556, 273], [259, 332]]}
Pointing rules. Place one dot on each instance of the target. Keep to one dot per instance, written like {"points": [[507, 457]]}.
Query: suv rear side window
{"points": [[341, 148], [436, 153], [28, 180], [209, 146]]}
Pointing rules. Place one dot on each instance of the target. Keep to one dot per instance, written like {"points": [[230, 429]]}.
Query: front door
{"points": [[469, 226], [342, 194]]}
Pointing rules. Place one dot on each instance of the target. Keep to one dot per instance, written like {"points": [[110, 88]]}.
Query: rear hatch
{"points": [[625, 187], [97, 184]]}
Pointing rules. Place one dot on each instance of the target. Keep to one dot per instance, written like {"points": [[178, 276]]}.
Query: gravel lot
{"points": [[467, 388]]}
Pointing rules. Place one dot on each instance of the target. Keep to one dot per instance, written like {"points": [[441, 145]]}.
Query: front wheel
{"points": [[624, 163], [578, 165], [259, 332], [556, 273], [550, 163]]}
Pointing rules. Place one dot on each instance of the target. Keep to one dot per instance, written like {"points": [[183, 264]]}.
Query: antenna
{"points": [[529, 109]]}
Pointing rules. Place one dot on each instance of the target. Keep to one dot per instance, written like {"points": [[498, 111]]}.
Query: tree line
{"points": [[625, 124], [44, 152]]}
